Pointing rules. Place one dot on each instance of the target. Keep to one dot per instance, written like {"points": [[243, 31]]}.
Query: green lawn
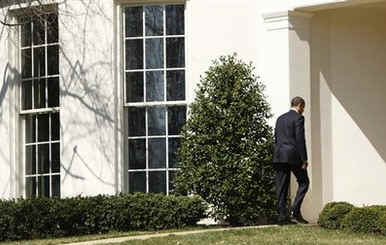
{"points": [[286, 235], [96, 237]]}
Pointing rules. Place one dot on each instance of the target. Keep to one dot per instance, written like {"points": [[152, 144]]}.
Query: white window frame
{"points": [[35, 112], [164, 104]]}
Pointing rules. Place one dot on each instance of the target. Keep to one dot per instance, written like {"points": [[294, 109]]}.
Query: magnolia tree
{"points": [[226, 149]]}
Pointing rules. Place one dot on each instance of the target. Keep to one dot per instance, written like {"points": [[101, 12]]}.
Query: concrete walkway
{"points": [[182, 233]]}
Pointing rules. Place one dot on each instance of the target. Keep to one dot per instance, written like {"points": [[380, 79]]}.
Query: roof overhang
{"points": [[333, 4]]}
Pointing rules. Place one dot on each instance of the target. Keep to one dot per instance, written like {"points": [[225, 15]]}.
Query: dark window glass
{"points": [[136, 119], [30, 157], [39, 62], [175, 52], [53, 92], [137, 154], [176, 119], [26, 63], [134, 25], [26, 31], [53, 60], [174, 144], [155, 86], [43, 159], [157, 153], [30, 187], [40, 93], [44, 186], [55, 158], [157, 182], [134, 54], [38, 30], [137, 182], [156, 121], [56, 186], [175, 21], [30, 129], [55, 126], [175, 85], [154, 20], [134, 87], [53, 28], [26, 95], [43, 127], [154, 53]]}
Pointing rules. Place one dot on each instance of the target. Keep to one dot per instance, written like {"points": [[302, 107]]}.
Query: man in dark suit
{"points": [[290, 155]]}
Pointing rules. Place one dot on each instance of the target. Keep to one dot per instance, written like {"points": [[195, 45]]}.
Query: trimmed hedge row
{"points": [[342, 215], [42, 217]]}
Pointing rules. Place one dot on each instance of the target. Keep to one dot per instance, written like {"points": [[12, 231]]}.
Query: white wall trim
{"points": [[324, 5], [282, 20]]}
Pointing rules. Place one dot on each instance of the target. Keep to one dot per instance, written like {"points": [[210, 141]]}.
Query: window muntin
{"points": [[155, 103], [39, 105]]}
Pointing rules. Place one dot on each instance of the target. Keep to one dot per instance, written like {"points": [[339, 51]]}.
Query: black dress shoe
{"points": [[286, 222], [298, 219]]}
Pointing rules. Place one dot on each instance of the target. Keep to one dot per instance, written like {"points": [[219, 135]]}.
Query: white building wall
{"points": [[349, 82]]}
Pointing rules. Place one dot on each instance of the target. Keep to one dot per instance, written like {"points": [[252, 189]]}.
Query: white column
{"points": [[287, 73]]}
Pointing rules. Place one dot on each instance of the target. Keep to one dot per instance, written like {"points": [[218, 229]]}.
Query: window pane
{"points": [[154, 20], [55, 126], [26, 63], [43, 159], [52, 28], [56, 186], [156, 121], [53, 92], [137, 154], [136, 120], [154, 53], [26, 95], [30, 187], [43, 127], [44, 186], [39, 62], [175, 52], [157, 153], [172, 177], [174, 144], [134, 87], [134, 54], [53, 60], [134, 25], [175, 20], [39, 94], [30, 160], [155, 86], [26, 32], [176, 119], [137, 182], [30, 129], [175, 85], [55, 158], [157, 182], [38, 31]]}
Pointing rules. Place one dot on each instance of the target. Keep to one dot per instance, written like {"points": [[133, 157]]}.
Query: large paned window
{"points": [[155, 103], [39, 105]]}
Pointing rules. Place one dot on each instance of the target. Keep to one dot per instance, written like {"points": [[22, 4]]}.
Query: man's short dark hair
{"points": [[297, 101]]}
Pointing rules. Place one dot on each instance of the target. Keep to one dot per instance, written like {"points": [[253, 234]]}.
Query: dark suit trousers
{"points": [[283, 174]]}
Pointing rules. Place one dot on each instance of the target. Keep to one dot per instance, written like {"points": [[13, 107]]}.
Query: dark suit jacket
{"points": [[290, 144]]}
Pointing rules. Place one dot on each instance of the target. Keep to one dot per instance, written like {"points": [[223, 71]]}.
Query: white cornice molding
{"points": [[286, 19]]}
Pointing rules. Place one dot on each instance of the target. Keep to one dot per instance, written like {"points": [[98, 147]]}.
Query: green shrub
{"points": [[226, 152], [361, 220], [333, 213], [42, 217]]}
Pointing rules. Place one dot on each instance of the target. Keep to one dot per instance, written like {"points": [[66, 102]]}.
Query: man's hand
{"points": [[305, 165]]}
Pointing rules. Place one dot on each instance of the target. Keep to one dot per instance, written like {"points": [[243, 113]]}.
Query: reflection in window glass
{"points": [[154, 46]]}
